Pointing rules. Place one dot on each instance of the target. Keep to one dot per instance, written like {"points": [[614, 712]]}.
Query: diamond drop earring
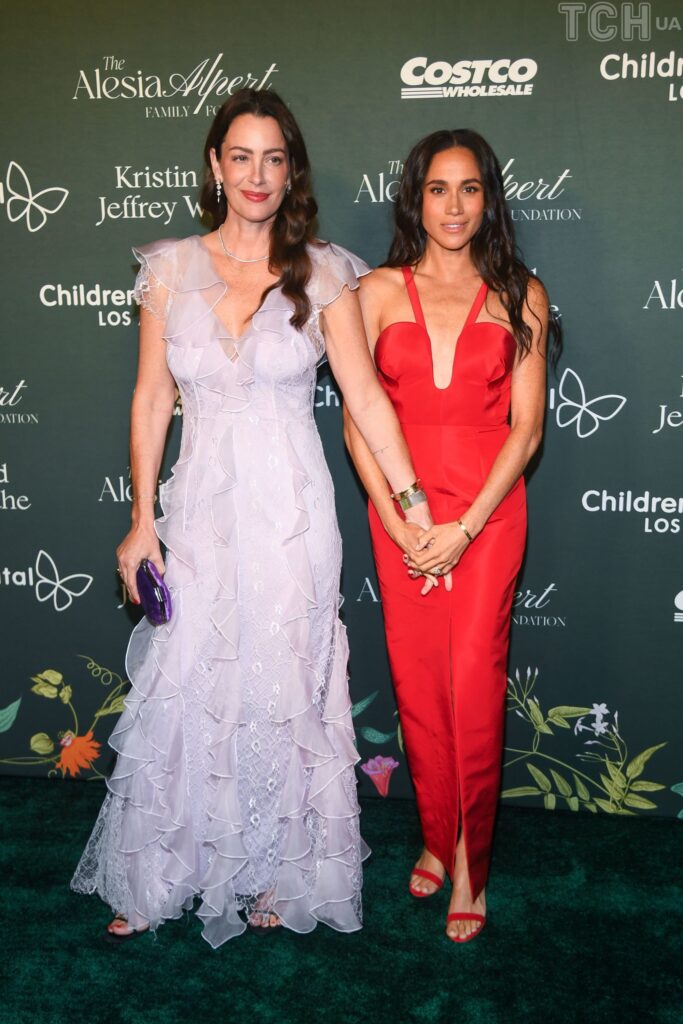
{"points": [[219, 189]]}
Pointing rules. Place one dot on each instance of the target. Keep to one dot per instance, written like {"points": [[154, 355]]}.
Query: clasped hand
{"points": [[412, 535], [439, 547]]}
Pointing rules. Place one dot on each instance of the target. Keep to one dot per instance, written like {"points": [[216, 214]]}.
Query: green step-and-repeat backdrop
{"points": [[105, 115]]}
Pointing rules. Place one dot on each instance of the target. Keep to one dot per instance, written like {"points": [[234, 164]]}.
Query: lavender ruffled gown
{"points": [[234, 779]]}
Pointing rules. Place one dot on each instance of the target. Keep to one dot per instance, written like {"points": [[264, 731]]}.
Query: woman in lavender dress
{"points": [[234, 779]]}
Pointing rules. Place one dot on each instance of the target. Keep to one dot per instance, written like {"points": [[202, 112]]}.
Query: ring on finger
{"points": [[437, 570]]}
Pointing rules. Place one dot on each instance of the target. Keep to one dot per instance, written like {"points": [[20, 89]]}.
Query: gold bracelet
{"points": [[465, 530], [408, 491]]}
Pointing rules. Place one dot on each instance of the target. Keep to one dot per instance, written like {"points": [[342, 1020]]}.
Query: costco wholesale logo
{"points": [[22, 203], [575, 409], [440, 79], [47, 583]]}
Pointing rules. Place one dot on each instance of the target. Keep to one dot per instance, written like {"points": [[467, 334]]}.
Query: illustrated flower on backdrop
{"points": [[70, 751], [77, 752], [379, 770], [599, 726], [608, 780]]}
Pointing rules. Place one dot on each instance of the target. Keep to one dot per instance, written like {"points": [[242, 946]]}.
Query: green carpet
{"points": [[585, 925]]}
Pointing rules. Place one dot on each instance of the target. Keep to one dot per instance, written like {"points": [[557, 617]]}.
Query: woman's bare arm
{"points": [[365, 400], [151, 411]]}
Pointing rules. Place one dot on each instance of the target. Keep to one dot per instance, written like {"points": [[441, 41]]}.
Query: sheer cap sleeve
{"points": [[333, 269], [156, 280]]}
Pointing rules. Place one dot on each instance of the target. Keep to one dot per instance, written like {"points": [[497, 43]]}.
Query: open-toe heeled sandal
{"points": [[116, 937], [466, 917], [262, 929], [430, 877]]}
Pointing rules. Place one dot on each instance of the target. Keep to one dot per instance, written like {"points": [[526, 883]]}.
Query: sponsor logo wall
{"points": [[585, 116]]}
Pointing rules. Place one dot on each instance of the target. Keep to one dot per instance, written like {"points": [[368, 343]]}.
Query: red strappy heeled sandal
{"points": [[464, 916], [438, 882]]}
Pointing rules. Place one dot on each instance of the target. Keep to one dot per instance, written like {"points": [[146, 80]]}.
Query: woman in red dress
{"points": [[457, 327]]}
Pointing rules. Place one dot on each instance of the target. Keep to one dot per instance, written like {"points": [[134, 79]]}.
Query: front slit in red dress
{"points": [[448, 651]]}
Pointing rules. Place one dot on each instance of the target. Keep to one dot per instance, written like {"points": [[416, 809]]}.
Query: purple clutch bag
{"points": [[155, 596]]}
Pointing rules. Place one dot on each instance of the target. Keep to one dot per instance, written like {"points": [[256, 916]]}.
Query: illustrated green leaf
{"points": [[49, 676], [590, 806], [374, 735], [581, 789], [636, 766], [623, 810], [641, 802], [615, 791], [521, 791], [65, 694], [537, 717], [604, 804], [566, 711], [677, 788], [558, 720], [549, 801], [542, 780], [573, 802], [563, 786], [44, 689], [399, 737], [115, 707], [616, 774], [361, 706], [643, 786], [8, 715], [41, 743]]}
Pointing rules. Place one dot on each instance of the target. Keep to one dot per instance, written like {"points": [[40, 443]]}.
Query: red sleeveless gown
{"points": [[448, 651]]}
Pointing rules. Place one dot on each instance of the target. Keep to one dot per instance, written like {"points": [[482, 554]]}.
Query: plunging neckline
{"points": [[226, 288], [414, 296]]}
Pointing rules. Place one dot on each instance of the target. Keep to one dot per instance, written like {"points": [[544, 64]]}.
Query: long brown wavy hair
{"points": [[293, 226], [493, 248]]}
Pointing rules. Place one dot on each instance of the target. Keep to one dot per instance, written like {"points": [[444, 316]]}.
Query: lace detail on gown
{"points": [[154, 283], [234, 780]]}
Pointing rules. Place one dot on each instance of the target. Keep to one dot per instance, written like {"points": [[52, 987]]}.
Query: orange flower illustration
{"points": [[77, 752]]}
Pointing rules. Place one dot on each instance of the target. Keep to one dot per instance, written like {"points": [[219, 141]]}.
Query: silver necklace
{"points": [[259, 259]]}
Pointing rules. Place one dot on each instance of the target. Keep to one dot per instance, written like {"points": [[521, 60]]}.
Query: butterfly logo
{"points": [[49, 587], [574, 407], [24, 203]]}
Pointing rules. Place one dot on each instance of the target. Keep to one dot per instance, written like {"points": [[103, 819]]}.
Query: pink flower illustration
{"points": [[379, 769]]}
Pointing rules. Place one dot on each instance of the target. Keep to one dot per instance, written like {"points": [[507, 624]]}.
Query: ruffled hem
{"points": [[145, 830], [158, 842]]}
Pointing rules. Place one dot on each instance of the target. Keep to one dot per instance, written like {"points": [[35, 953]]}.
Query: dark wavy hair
{"points": [[293, 226], [493, 248]]}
